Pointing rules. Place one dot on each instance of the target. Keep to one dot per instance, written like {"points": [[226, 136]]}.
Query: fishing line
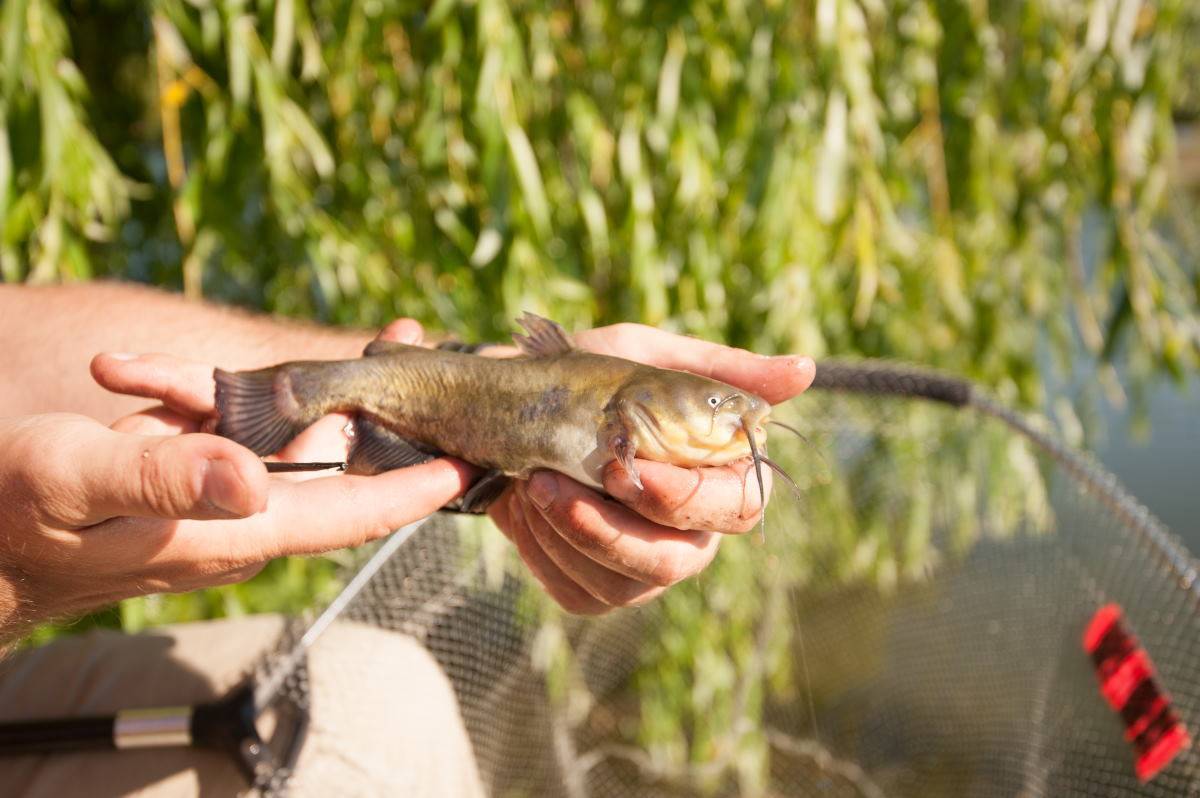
{"points": [[808, 691], [798, 495], [759, 459]]}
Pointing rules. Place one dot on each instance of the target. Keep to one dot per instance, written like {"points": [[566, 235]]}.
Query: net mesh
{"points": [[914, 626]]}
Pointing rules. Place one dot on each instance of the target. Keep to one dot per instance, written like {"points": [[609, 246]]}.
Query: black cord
{"points": [[891, 380]]}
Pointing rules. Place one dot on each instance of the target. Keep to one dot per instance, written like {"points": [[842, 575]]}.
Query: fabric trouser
{"points": [[384, 719]]}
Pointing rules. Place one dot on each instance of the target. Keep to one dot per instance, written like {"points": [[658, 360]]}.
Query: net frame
{"points": [[984, 671], [808, 764]]}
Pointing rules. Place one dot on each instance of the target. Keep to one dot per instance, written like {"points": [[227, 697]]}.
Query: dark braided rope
{"points": [[885, 379]]}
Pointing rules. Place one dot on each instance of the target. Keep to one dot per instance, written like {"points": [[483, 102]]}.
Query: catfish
{"points": [[552, 407]]}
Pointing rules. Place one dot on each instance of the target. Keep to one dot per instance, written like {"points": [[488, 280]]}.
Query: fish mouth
{"points": [[753, 418], [681, 441]]}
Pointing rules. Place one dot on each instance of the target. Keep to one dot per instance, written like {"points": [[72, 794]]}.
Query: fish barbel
{"points": [[554, 407]]}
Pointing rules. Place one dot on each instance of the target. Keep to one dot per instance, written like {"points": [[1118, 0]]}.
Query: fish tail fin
{"points": [[259, 409]]}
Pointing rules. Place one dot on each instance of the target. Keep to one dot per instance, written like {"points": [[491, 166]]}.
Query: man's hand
{"points": [[593, 554], [92, 514]]}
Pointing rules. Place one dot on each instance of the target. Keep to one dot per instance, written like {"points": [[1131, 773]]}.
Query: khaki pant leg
{"points": [[384, 717]]}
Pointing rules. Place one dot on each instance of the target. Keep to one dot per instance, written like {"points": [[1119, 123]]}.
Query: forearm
{"points": [[51, 333]]}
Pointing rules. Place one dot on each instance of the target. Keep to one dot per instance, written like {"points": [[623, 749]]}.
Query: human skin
{"points": [[91, 519]]}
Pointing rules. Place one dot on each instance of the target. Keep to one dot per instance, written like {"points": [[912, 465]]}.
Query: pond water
{"points": [[1162, 470]]}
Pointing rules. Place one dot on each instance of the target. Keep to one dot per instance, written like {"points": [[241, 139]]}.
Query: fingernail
{"points": [[122, 355], [543, 489], [224, 488], [406, 331]]}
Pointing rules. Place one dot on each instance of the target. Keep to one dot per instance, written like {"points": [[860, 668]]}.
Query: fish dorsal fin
{"points": [[545, 337], [383, 347]]}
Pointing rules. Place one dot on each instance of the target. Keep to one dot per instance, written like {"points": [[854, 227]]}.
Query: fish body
{"points": [[555, 407]]}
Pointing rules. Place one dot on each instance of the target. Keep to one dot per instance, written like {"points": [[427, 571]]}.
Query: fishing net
{"points": [[954, 604]]}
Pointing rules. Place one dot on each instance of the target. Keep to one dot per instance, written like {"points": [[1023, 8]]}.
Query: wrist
{"points": [[286, 339]]}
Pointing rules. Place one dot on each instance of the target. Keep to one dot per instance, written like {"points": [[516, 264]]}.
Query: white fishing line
{"points": [[264, 694]]}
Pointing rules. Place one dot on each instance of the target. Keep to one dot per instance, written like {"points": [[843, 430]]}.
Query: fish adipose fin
{"points": [[389, 347], [545, 338], [377, 449], [248, 409], [385, 347], [480, 495]]}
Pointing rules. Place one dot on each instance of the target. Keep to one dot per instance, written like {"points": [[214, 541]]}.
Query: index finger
{"points": [[185, 386], [617, 537], [774, 378], [329, 513]]}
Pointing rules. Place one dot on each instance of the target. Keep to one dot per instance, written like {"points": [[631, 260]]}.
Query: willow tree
{"points": [[981, 187]]}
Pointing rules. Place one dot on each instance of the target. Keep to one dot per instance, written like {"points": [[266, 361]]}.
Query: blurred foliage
{"points": [[981, 187], [911, 179]]}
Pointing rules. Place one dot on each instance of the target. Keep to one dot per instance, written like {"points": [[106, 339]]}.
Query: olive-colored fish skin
{"points": [[554, 407]]}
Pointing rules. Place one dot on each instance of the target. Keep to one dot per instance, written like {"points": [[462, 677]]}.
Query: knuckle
{"points": [[646, 596], [743, 525], [163, 494], [375, 531], [195, 574], [149, 585], [732, 521], [666, 509], [236, 575], [632, 594], [578, 519], [669, 569], [581, 605], [577, 516], [356, 535], [625, 336]]}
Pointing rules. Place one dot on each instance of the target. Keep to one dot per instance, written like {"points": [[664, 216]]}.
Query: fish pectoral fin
{"points": [[377, 449], [624, 449], [480, 495], [545, 337]]}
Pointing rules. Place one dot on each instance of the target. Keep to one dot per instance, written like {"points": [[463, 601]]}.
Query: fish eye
{"points": [[714, 400]]}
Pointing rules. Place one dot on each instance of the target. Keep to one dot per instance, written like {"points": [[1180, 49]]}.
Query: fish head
{"points": [[688, 420]]}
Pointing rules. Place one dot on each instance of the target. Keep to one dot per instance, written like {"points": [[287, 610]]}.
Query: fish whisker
{"points": [[778, 469], [762, 491], [790, 429], [803, 437]]}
